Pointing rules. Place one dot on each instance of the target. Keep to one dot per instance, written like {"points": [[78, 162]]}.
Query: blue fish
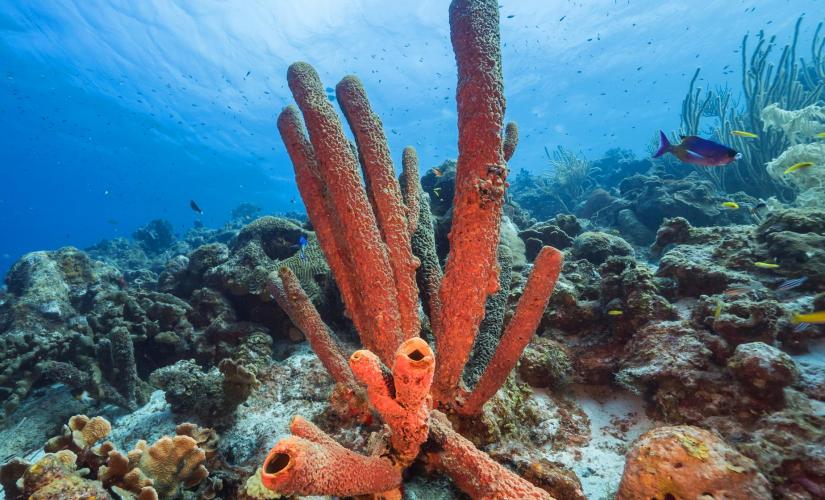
{"points": [[791, 284], [697, 151], [302, 242], [801, 327]]}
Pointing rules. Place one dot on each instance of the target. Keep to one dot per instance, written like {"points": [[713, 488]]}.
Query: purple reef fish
{"points": [[698, 151]]}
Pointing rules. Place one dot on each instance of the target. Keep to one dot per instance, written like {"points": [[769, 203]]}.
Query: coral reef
{"points": [[73, 467], [445, 333], [209, 396], [785, 84], [45, 335]]}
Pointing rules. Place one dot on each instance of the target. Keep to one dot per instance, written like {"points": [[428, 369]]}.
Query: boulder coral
{"points": [[366, 236], [689, 462]]}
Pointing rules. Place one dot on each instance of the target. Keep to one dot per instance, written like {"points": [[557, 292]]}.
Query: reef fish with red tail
{"points": [[697, 151]]}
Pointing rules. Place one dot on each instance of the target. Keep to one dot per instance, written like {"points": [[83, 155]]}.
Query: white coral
{"points": [[802, 179], [800, 126]]}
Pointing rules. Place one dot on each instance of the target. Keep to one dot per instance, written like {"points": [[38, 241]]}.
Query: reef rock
{"points": [[210, 396], [763, 368], [545, 363], [654, 199], [704, 260], [632, 229], [44, 333], [687, 462], [543, 234], [794, 239], [596, 247], [184, 274], [664, 350], [632, 290], [254, 254], [788, 448]]}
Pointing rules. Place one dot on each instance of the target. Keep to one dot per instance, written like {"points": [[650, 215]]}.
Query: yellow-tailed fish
{"points": [[814, 317], [730, 204], [766, 265], [437, 192], [742, 133], [615, 312], [718, 309], [798, 166], [820, 135]]}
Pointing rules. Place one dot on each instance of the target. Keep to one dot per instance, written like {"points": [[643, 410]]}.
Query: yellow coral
{"points": [[86, 432], [80, 434], [255, 488], [171, 462]]}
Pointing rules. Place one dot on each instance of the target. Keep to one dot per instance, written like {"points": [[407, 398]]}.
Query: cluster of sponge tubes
{"points": [[365, 230]]}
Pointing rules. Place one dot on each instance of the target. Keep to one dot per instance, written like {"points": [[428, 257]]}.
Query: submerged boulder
{"points": [[596, 247], [763, 368], [545, 363]]}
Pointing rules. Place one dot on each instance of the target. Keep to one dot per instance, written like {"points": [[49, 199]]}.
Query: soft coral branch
{"points": [[411, 187]]}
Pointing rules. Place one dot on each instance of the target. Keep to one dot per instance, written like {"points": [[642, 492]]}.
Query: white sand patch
{"points": [[684, 307], [617, 418], [815, 355], [812, 364]]}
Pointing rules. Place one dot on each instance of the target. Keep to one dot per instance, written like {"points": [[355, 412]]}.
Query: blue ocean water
{"points": [[117, 112]]}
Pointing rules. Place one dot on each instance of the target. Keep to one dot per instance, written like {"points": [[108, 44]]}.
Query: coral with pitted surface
{"points": [[688, 462]]}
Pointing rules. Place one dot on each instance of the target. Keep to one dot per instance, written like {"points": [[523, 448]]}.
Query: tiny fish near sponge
{"points": [[697, 151]]}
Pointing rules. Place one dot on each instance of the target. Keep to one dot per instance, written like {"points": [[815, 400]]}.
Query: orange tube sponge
{"points": [[312, 463], [302, 312], [510, 140], [324, 220], [390, 211], [519, 330], [411, 186], [472, 270], [338, 169], [474, 471], [401, 399]]}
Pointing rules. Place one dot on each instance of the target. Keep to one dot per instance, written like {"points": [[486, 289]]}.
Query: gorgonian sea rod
{"points": [[365, 233]]}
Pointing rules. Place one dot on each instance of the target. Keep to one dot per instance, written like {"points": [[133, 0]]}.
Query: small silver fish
{"points": [[791, 284]]}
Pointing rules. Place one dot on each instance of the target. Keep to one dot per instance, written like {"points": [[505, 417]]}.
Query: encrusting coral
{"points": [[367, 236]]}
